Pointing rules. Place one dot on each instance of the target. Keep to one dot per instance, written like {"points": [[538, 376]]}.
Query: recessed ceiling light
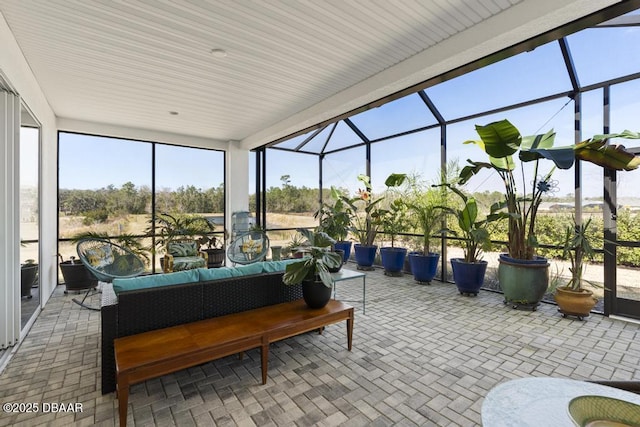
{"points": [[219, 53], [173, 113]]}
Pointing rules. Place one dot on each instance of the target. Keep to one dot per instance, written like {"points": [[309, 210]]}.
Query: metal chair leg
{"points": [[82, 304]]}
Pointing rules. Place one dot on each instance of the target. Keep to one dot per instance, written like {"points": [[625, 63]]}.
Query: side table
{"points": [[344, 275]]}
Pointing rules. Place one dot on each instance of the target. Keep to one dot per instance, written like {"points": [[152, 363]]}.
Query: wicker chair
{"points": [[183, 255], [107, 261]]}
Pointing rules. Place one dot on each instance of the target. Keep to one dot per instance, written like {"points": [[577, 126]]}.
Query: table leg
{"points": [[264, 355], [364, 294], [350, 330], [123, 401]]}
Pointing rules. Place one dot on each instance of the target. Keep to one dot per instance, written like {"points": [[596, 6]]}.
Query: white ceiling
{"points": [[289, 63]]}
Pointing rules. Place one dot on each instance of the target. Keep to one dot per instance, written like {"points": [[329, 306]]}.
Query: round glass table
{"points": [[538, 402]]}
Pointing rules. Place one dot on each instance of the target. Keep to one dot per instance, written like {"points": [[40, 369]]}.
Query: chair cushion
{"points": [[182, 249], [99, 257], [154, 281], [188, 263]]}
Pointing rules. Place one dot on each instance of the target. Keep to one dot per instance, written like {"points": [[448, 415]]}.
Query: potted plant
{"points": [[425, 207], [213, 245], [28, 277], [313, 269], [295, 246], [573, 299], [524, 276], [469, 271], [394, 222], [366, 225], [173, 228], [335, 219]]}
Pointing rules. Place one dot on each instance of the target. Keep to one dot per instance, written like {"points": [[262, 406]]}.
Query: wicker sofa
{"points": [[132, 306]]}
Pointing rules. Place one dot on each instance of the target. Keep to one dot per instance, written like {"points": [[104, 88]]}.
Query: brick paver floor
{"points": [[422, 355]]}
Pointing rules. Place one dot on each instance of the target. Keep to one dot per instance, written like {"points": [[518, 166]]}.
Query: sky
{"points": [[95, 162]]}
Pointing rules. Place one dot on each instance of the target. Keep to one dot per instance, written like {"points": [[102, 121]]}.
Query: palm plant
{"points": [[577, 247]]}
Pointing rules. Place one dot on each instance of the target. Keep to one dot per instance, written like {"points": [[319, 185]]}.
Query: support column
{"points": [[9, 219]]}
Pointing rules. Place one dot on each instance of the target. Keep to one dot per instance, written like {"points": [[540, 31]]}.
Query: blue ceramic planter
{"points": [[393, 259], [469, 277], [424, 267], [346, 247], [365, 255]]}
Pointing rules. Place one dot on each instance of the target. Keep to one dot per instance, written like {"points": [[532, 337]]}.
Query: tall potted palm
{"points": [[524, 276], [393, 223], [425, 207]]}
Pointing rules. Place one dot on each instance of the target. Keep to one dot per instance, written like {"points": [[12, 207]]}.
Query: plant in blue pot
{"points": [[424, 204], [394, 221], [469, 271], [524, 276], [369, 218], [335, 219]]}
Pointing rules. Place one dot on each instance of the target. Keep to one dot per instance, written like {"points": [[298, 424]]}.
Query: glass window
{"points": [[114, 196], [341, 170], [602, 54], [519, 78], [342, 137], [398, 116], [625, 109], [292, 189], [104, 187], [415, 154]]}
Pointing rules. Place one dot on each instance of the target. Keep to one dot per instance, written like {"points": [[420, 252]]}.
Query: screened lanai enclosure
{"points": [[580, 81]]}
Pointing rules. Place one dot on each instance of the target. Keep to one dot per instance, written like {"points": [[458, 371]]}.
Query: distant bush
{"points": [[95, 216]]}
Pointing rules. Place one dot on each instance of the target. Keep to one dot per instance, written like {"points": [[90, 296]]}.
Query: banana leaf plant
{"points": [[317, 261], [502, 141]]}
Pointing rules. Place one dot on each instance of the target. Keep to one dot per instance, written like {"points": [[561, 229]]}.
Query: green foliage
{"points": [[501, 140], [370, 221], [317, 261], [130, 199], [169, 228], [475, 232], [96, 216], [335, 216]]}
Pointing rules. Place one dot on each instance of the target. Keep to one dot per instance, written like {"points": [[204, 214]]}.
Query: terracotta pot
{"points": [[575, 303]]}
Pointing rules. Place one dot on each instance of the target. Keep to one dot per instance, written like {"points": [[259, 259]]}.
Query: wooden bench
{"points": [[160, 352]]}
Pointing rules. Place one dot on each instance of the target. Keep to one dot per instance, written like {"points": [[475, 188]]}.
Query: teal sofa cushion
{"points": [[277, 266], [155, 280], [246, 270], [207, 274]]}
